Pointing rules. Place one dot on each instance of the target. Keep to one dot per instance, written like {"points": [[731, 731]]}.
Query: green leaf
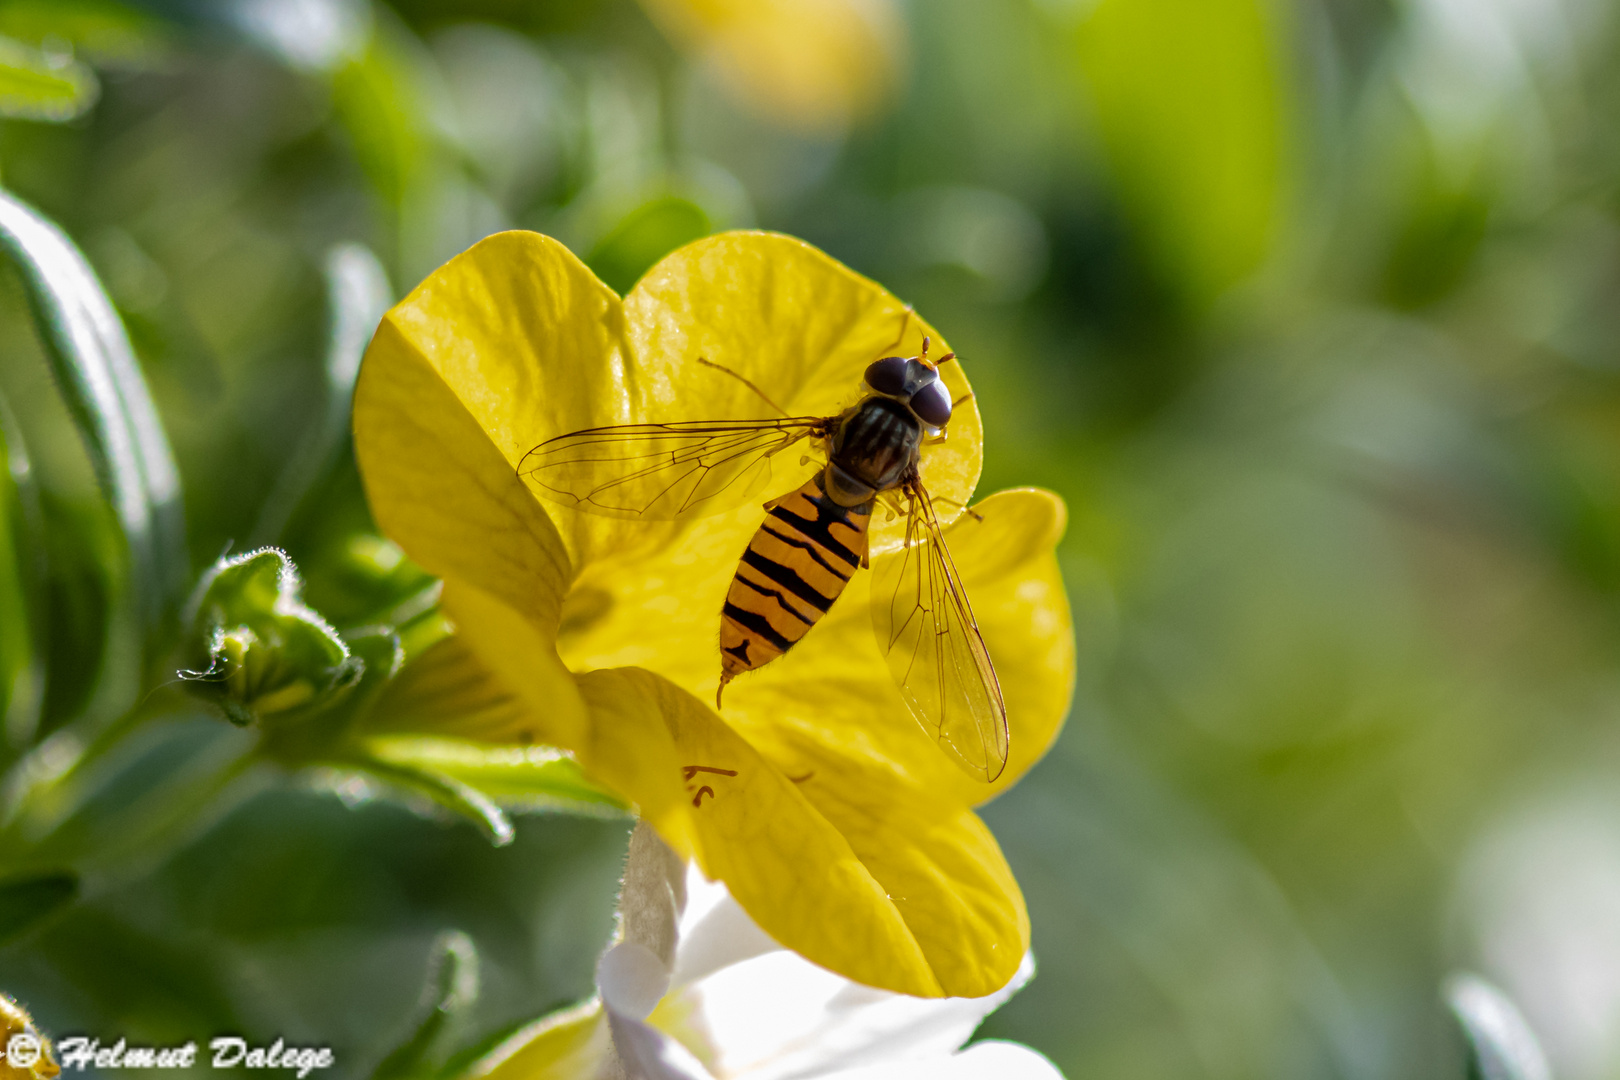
{"points": [[1501, 1045], [1189, 100], [91, 634], [155, 981], [22, 580], [452, 989], [96, 370], [358, 293], [381, 104], [102, 30], [25, 902], [35, 85]]}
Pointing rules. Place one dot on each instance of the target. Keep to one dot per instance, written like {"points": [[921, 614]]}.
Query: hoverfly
{"points": [[813, 539]]}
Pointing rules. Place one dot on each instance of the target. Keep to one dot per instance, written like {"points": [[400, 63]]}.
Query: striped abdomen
{"points": [[796, 565]]}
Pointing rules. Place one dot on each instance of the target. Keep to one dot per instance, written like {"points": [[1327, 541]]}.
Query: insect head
{"points": [[914, 382]]}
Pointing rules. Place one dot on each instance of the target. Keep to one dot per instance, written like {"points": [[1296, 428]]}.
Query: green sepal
{"points": [[446, 715], [517, 778], [446, 792]]}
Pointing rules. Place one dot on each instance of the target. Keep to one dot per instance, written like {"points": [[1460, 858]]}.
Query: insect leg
{"points": [[959, 505], [745, 382], [905, 324], [891, 502]]}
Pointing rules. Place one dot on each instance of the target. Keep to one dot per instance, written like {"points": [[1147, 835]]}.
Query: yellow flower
{"points": [[836, 823], [808, 64]]}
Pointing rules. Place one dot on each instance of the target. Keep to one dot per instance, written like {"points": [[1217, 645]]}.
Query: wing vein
{"points": [[663, 471]]}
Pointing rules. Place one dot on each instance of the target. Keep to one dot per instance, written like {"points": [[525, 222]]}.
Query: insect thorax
{"points": [[874, 449]]}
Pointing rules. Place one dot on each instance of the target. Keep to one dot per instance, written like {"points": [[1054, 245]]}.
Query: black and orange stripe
{"points": [[795, 567]]}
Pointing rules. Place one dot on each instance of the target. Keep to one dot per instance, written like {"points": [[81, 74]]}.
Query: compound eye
{"points": [[932, 404], [919, 375], [888, 376]]}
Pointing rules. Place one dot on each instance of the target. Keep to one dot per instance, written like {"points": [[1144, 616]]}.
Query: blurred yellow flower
{"points": [[832, 819], [25, 1053], [809, 64]]}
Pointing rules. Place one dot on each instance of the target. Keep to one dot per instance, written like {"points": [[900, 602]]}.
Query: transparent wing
{"points": [[936, 654], [663, 471]]}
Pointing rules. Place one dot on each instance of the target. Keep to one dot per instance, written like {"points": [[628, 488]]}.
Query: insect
{"points": [[813, 539]]}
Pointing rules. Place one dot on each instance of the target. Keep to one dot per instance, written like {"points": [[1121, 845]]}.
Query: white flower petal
{"points": [[777, 1016], [992, 1060], [763, 1013], [631, 980], [714, 931]]}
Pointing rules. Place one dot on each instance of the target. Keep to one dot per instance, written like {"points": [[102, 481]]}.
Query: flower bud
{"points": [[259, 650]]}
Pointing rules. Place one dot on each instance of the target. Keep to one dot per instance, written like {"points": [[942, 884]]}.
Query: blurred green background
{"points": [[1308, 309]]}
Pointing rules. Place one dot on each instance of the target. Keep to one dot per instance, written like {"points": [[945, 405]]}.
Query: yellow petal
{"points": [[442, 490], [446, 691], [663, 610], [814, 64], [784, 862], [630, 749], [523, 656], [519, 333], [944, 873]]}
